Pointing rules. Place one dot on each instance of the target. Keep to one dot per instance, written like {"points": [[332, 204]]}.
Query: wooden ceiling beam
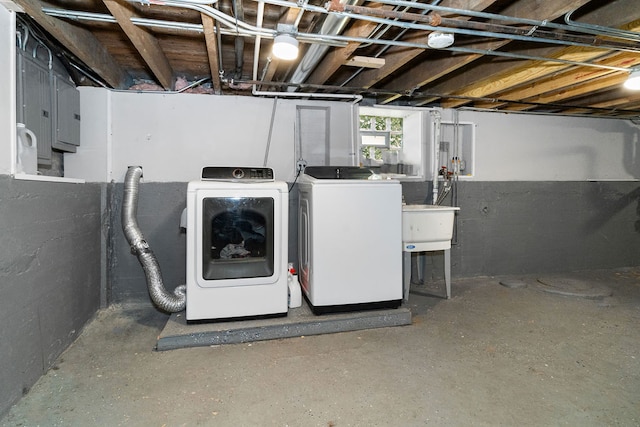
{"points": [[527, 71], [82, 43], [144, 42], [420, 75], [490, 79], [612, 101], [593, 86], [575, 76], [211, 41], [338, 56], [397, 57], [574, 83]]}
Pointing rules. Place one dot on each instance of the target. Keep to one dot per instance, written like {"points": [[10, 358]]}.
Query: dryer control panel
{"points": [[226, 173]]}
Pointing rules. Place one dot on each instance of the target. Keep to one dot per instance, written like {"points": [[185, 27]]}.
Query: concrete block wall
{"points": [[527, 227], [159, 208], [503, 228], [50, 275]]}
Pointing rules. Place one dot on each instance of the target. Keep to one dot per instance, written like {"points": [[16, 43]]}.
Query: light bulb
{"points": [[285, 46]]}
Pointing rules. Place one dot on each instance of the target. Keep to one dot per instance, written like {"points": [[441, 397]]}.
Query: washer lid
{"points": [[339, 172]]}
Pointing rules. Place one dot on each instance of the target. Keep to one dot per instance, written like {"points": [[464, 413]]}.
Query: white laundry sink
{"points": [[427, 227]]}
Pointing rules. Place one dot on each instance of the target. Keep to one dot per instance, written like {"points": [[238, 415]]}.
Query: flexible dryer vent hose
{"points": [[159, 295]]}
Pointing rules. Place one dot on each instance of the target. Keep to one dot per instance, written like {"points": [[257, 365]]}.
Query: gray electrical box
{"points": [[67, 115], [48, 103], [36, 107]]}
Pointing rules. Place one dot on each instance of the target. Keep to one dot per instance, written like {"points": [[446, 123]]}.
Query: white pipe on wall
{"points": [[437, 118]]}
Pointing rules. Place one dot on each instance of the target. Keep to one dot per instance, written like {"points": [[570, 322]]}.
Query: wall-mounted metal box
{"points": [[35, 103], [48, 103], [67, 110]]}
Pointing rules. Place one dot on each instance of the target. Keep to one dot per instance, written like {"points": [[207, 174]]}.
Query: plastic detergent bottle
{"points": [[27, 160], [294, 294]]}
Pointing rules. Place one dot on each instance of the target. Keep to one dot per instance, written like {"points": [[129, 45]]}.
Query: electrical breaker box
{"points": [[67, 115], [35, 110], [48, 103]]}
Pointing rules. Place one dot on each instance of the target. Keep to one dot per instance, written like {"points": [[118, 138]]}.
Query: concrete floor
{"points": [[492, 355]]}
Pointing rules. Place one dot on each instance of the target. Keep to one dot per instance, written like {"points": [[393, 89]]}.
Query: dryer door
{"points": [[237, 235]]}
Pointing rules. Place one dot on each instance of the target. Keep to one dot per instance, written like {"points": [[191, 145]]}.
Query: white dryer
{"points": [[350, 239], [237, 247]]}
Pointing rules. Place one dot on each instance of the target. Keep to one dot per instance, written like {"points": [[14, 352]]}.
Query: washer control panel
{"points": [[224, 173]]}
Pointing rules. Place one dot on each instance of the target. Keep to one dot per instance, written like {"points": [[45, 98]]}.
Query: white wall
{"points": [[7, 91], [172, 136], [517, 147], [93, 159]]}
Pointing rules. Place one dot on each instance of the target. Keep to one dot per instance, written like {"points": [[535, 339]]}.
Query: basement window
{"points": [[392, 140], [380, 139]]}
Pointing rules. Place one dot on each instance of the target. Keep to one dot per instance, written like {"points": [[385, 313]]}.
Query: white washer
{"points": [[350, 239], [237, 248]]}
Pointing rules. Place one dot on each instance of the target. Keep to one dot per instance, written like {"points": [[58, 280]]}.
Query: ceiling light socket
{"points": [[285, 45], [633, 81], [438, 40]]}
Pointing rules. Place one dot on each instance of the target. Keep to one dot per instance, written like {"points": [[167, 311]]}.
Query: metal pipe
{"points": [[479, 51], [600, 30], [252, 31], [498, 17], [560, 40], [143, 22], [418, 94], [244, 29], [238, 9], [331, 26], [256, 92], [161, 298], [437, 118]]}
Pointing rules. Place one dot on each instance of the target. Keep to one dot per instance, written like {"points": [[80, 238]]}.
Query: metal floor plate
{"points": [[573, 287]]}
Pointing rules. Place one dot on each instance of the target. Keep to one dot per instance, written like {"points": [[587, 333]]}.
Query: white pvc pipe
{"points": [[436, 151]]}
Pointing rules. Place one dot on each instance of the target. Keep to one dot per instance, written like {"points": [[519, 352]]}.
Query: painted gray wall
{"points": [[159, 208], [506, 228], [503, 228], [50, 275]]}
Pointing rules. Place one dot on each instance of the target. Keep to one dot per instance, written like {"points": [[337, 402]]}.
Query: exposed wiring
{"points": [[300, 169], [270, 134], [71, 64]]}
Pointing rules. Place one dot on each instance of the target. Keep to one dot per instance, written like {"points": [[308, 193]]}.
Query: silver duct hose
{"points": [[161, 298]]}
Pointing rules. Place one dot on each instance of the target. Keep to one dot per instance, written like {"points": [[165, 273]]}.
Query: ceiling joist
{"points": [[507, 56]]}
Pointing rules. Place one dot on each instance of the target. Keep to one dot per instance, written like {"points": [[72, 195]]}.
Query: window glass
{"points": [[380, 135]]}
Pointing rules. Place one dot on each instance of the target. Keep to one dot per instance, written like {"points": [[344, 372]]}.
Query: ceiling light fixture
{"points": [[438, 40], [285, 45], [633, 81]]}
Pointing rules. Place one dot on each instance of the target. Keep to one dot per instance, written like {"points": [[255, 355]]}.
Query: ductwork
{"points": [[159, 295], [332, 25]]}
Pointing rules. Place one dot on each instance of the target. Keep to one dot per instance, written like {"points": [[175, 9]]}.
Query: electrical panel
{"points": [[67, 115], [48, 104], [36, 108]]}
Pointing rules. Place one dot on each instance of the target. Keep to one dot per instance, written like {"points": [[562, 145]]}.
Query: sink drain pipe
{"points": [[139, 247]]}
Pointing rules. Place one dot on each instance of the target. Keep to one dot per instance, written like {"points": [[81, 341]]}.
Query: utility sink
{"points": [[427, 227]]}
